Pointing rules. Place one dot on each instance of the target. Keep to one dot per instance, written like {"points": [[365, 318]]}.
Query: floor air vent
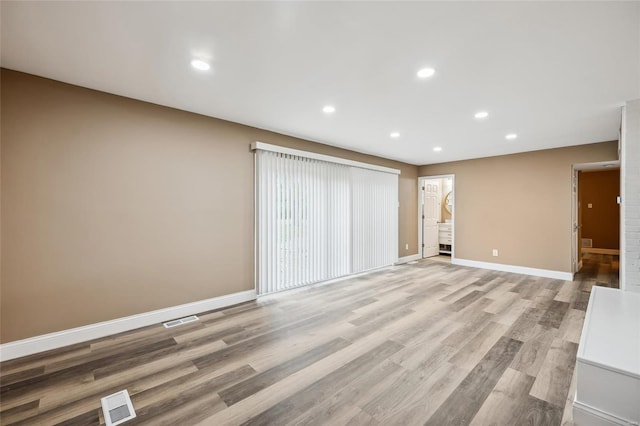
{"points": [[180, 321], [117, 408]]}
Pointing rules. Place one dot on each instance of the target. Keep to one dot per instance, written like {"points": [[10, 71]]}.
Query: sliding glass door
{"points": [[319, 219]]}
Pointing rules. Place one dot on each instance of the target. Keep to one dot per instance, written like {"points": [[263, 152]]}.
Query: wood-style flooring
{"points": [[427, 343]]}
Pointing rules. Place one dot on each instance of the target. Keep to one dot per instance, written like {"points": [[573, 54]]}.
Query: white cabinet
{"points": [[608, 360], [445, 237]]}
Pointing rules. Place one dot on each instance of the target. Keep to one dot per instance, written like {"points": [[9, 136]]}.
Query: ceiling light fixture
{"points": [[329, 109], [201, 65], [437, 149], [511, 136], [426, 72], [481, 114], [394, 135]]}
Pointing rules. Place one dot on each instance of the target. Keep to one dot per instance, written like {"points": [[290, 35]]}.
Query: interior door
{"points": [[430, 208]]}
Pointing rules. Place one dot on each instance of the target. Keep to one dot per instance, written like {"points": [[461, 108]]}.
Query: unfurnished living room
{"points": [[320, 213]]}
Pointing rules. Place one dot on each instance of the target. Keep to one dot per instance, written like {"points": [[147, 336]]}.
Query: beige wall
{"points": [[519, 204], [601, 222], [112, 207]]}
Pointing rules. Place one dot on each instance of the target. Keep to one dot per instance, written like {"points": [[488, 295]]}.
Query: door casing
{"points": [[421, 180]]}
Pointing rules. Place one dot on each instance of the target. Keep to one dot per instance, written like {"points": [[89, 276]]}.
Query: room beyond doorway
{"points": [[436, 217], [596, 210]]}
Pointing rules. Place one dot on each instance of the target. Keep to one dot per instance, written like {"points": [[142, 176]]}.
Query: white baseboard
{"points": [[45, 342], [559, 275], [406, 259], [600, 251], [588, 416]]}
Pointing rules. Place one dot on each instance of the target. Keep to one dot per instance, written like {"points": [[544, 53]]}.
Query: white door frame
{"points": [[453, 213], [600, 166]]}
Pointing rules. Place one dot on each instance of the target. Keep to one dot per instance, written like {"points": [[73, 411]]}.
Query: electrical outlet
{"points": [[495, 252], [406, 246]]}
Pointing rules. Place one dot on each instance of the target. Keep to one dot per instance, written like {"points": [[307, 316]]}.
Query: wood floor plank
{"points": [[554, 314], [182, 391], [571, 327], [475, 349], [567, 291], [98, 388], [58, 377], [358, 393], [477, 385], [554, 378], [43, 358], [265, 379], [297, 404], [18, 413], [502, 303], [502, 406], [534, 351], [361, 419], [524, 327], [513, 312], [421, 391], [463, 334]]}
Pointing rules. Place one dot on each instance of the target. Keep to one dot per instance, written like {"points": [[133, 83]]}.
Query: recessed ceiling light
{"points": [[200, 65], [426, 72], [394, 135], [437, 148], [511, 136], [481, 114], [328, 109]]}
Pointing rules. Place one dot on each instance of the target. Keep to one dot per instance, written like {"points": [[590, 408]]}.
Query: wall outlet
{"points": [[590, 206], [495, 252], [406, 246]]}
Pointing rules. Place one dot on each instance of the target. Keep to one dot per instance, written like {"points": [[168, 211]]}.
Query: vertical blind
{"points": [[317, 219]]}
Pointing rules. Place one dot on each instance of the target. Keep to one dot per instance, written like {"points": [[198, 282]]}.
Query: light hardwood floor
{"points": [[426, 343]]}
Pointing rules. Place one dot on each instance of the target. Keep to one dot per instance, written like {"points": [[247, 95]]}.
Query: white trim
{"points": [[575, 230], [597, 417], [600, 250], [597, 166], [283, 150], [453, 213], [547, 273], [622, 156], [45, 342], [406, 259]]}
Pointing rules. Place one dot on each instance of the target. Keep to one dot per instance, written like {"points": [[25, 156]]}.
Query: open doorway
{"points": [[596, 221], [436, 217]]}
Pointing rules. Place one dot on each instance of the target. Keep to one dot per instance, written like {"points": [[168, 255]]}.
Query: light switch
{"points": [[589, 206]]}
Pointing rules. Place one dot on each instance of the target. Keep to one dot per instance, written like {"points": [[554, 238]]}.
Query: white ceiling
{"points": [[554, 73]]}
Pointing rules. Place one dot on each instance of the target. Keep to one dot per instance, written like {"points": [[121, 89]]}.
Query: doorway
{"points": [[436, 217], [595, 213]]}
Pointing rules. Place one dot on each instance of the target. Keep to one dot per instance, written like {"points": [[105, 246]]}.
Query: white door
{"points": [[430, 216]]}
